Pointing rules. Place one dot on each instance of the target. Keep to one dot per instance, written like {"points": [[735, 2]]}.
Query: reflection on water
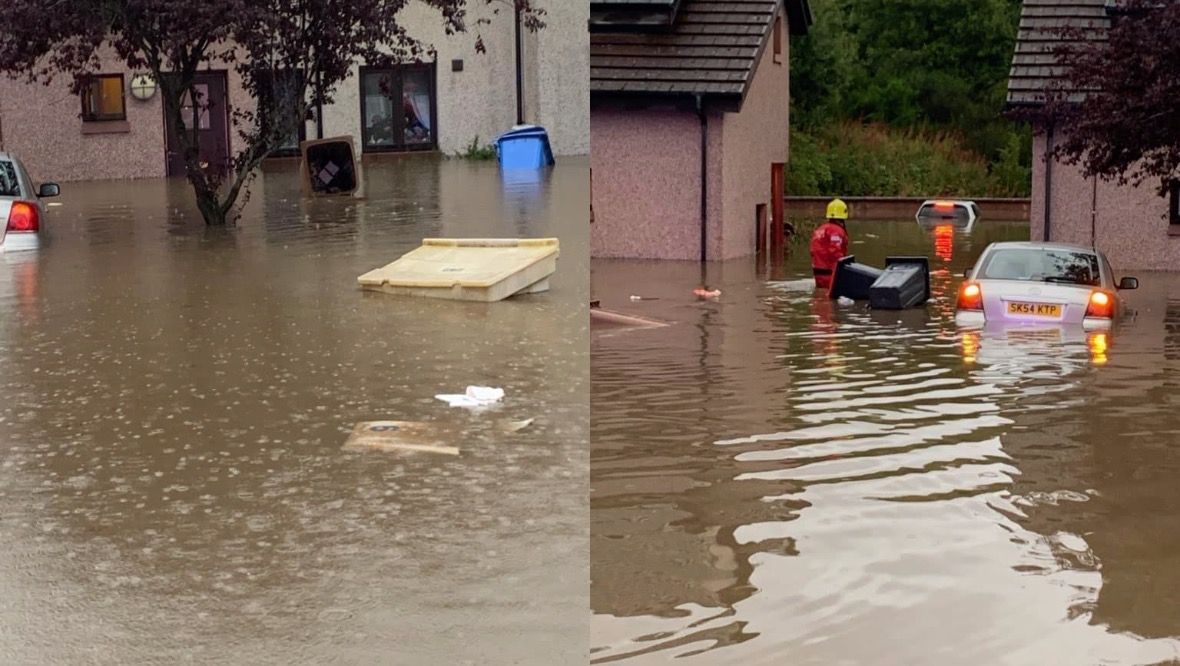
{"points": [[777, 478], [173, 402]]}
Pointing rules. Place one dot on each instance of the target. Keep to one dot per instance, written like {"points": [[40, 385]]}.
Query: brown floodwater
{"points": [[173, 403], [779, 479]]}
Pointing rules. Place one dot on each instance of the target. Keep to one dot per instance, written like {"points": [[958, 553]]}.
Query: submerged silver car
{"points": [[21, 208], [1029, 283]]}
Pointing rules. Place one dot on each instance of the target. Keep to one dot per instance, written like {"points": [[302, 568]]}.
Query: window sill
{"points": [[399, 150], [1174, 229], [106, 127]]}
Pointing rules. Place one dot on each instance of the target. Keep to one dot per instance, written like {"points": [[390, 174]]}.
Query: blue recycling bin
{"points": [[524, 147]]}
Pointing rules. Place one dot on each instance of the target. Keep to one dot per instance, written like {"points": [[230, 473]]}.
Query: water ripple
{"points": [[777, 478]]}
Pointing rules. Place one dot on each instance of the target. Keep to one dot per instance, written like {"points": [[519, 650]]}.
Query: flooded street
{"points": [[173, 402], [776, 478]]}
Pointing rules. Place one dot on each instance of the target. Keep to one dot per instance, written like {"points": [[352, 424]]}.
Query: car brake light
{"points": [[944, 205], [23, 218], [970, 297], [1101, 305]]}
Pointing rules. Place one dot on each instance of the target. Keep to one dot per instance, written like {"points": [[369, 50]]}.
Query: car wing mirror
{"points": [[48, 190], [1129, 283], [967, 273]]}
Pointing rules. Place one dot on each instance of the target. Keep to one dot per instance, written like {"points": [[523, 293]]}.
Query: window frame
{"points": [[262, 109], [396, 87], [1174, 203], [84, 97]]}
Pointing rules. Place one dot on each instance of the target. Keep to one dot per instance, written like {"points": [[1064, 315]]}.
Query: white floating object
{"points": [[476, 396]]}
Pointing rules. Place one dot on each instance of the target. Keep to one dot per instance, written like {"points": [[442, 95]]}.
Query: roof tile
{"points": [[712, 48], [1033, 62]]}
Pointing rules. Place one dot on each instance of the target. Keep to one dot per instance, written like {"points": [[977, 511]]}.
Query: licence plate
{"points": [[1035, 309]]}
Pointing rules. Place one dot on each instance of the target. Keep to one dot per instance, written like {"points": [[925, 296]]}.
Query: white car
{"points": [[937, 212], [1029, 283], [21, 207]]}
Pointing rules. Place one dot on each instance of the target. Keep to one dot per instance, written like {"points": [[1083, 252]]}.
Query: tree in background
{"points": [[1115, 107], [937, 67], [175, 39]]}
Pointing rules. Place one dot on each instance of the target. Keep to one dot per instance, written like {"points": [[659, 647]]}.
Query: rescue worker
{"points": [[829, 244]]}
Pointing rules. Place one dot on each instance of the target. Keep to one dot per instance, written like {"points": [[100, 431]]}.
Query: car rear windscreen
{"points": [[944, 210], [1042, 265], [9, 186]]}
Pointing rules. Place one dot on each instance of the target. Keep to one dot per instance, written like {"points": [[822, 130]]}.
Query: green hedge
{"points": [[854, 159]]}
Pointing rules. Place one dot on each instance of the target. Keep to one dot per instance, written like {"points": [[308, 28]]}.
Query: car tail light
{"points": [[944, 205], [23, 218], [1101, 305], [970, 297]]}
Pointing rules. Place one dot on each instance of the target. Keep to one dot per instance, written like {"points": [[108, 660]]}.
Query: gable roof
{"points": [[1034, 67], [709, 47]]}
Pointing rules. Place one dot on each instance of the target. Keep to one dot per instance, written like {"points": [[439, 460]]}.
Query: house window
{"points": [[778, 39], [102, 99], [1174, 202], [280, 105], [398, 110]]}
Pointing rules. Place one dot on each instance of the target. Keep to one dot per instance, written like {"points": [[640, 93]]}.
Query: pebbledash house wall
{"points": [[42, 125], [1130, 225], [646, 188], [479, 102]]}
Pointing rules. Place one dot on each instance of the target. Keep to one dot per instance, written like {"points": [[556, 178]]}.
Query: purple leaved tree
{"points": [[1113, 102], [175, 39]]}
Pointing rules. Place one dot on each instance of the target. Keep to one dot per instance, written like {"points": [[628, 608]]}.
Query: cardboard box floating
{"points": [[392, 436]]}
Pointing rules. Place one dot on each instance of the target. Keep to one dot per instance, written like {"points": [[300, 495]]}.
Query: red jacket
{"points": [[829, 245]]}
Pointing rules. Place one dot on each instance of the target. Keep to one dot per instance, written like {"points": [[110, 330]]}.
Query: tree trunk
{"points": [[210, 206]]}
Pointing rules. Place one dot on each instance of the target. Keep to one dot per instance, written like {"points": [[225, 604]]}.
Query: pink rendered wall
{"points": [[646, 171], [42, 126], [754, 139], [1130, 224]]}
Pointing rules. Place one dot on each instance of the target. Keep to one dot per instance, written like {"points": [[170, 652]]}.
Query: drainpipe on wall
{"points": [[1094, 214], [1048, 182], [704, 178], [519, 76]]}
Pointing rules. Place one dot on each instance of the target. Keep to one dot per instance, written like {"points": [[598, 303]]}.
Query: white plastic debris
{"points": [[476, 396], [845, 301]]}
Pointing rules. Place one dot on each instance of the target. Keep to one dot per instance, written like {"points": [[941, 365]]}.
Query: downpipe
{"points": [[700, 105], [1048, 184]]}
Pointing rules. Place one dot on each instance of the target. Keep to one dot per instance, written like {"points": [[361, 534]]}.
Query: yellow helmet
{"points": [[837, 210]]}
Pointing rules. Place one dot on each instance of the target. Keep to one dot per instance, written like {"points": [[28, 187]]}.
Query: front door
{"points": [[212, 125]]}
